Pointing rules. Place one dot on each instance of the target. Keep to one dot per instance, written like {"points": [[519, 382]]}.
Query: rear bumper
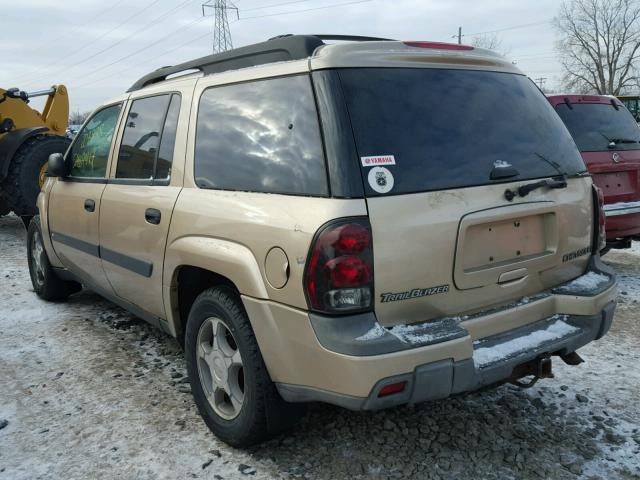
{"points": [[339, 361], [623, 220], [618, 209]]}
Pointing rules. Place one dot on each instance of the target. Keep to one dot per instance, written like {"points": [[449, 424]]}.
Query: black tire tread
{"points": [[271, 415], [54, 288], [14, 184]]}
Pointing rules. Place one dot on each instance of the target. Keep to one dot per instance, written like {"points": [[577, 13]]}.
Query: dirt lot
{"points": [[88, 391]]}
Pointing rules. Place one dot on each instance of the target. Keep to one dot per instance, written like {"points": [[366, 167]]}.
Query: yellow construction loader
{"points": [[27, 138]]}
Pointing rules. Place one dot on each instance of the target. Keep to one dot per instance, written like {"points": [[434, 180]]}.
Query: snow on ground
{"points": [[89, 391]]}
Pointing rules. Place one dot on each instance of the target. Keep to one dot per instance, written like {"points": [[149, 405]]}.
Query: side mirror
{"points": [[57, 166]]}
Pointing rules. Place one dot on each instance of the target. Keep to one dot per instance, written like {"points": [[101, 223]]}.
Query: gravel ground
{"points": [[88, 391]]}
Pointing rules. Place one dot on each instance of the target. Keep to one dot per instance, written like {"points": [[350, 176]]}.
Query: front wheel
{"points": [[230, 383], [46, 283]]}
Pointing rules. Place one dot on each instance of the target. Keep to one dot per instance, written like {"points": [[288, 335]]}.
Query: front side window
{"points": [[260, 136], [599, 126], [142, 139], [89, 154]]}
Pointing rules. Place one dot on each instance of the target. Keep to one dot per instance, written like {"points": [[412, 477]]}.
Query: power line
{"points": [[152, 44], [147, 62], [198, 38], [274, 5], [151, 24], [335, 5], [84, 24], [99, 37], [514, 27]]}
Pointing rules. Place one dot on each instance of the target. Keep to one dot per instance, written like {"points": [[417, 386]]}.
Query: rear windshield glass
{"points": [[439, 129], [598, 126]]}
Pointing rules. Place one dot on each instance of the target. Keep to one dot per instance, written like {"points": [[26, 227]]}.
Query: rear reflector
{"points": [[439, 45], [391, 389]]}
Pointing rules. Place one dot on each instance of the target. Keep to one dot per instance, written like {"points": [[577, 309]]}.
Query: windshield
{"points": [[436, 129], [595, 126]]}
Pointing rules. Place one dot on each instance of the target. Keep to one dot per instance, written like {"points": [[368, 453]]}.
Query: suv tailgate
{"points": [[437, 150]]}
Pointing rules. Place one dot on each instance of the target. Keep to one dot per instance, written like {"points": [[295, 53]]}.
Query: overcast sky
{"points": [[99, 48]]}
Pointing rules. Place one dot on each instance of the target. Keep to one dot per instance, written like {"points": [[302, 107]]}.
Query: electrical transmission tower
{"points": [[221, 33], [541, 82]]}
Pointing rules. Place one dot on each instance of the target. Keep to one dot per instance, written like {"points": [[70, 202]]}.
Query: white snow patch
{"points": [[376, 331], [407, 333], [588, 281], [486, 355]]}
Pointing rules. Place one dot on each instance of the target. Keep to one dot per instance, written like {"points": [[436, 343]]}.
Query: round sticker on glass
{"points": [[380, 179]]}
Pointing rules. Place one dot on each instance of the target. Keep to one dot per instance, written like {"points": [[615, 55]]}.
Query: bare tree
{"points": [[490, 41], [600, 45], [78, 117]]}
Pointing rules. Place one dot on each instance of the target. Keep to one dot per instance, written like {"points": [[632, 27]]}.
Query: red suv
{"points": [[608, 137]]}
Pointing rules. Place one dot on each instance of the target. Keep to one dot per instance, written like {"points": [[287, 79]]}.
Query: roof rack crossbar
{"points": [[277, 49]]}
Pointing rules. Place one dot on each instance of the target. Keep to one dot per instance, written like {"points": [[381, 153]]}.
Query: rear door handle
{"points": [[90, 205], [152, 216]]}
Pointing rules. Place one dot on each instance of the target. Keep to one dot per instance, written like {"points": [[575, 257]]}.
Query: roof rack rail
{"points": [[276, 49]]}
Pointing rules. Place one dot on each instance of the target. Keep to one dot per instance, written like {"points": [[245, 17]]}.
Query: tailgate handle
{"points": [[512, 275]]}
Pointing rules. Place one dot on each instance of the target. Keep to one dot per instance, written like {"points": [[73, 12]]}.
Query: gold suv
{"points": [[367, 223]]}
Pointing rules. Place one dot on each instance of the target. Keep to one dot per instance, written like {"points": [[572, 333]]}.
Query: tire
{"points": [[5, 209], [252, 411], [22, 186], [46, 283]]}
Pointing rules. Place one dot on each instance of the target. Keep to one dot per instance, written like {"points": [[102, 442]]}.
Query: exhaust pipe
{"points": [[572, 359]]}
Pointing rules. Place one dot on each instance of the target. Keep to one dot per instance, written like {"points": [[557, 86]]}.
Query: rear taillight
{"points": [[339, 273], [600, 235]]}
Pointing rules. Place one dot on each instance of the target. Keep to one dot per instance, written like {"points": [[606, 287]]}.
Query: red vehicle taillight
{"points": [[339, 274], [600, 240]]}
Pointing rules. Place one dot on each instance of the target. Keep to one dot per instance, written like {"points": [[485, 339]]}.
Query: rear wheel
{"points": [[46, 283], [26, 171], [230, 383]]}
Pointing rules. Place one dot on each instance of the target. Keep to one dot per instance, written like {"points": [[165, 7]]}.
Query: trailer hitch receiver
{"points": [[537, 369]]}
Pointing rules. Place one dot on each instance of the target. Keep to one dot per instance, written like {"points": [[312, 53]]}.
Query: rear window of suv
{"points": [[595, 126], [437, 129]]}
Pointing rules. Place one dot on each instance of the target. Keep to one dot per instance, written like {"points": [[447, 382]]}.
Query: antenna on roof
{"points": [[221, 33]]}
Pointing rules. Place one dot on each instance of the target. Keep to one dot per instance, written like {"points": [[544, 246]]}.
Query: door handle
{"points": [[90, 205], [152, 216]]}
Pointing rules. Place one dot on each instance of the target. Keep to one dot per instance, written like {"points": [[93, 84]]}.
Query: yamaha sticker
{"points": [[415, 293]]}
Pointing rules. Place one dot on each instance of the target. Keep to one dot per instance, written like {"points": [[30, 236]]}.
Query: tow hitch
{"points": [[538, 368]]}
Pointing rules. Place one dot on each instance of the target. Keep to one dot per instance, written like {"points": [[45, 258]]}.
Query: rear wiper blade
{"points": [[614, 141], [555, 165], [524, 190]]}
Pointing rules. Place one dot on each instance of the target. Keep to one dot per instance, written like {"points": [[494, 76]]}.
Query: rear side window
{"points": [[148, 138], [595, 126], [436, 129], [260, 136], [90, 150]]}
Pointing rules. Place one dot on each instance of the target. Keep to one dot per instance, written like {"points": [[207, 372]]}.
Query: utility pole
{"points": [[221, 33], [459, 35], [541, 81]]}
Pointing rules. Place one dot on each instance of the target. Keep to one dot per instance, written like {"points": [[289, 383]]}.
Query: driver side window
{"points": [[90, 151]]}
